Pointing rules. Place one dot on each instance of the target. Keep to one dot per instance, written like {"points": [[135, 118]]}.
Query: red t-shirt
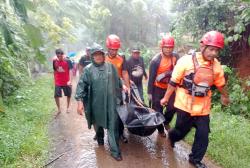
{"points": [[61, 71]]}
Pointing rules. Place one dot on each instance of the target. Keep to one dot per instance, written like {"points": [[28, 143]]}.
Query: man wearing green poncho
{"points": [[98, 92]]}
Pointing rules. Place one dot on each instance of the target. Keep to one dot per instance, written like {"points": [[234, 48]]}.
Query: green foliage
{"points": [[98, 20], [15, 49], [24, 29], [227, 70], [12, 69], [242, 20], [147, 55], [23, 126], [34, 35], [6, 33], [133, 21], [1, 99], [20, 8], [239, 96], [195, 17]]}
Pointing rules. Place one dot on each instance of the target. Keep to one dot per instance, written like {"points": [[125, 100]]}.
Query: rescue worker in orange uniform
{"points": [[113, 44], [161, 67], [192, 79]]}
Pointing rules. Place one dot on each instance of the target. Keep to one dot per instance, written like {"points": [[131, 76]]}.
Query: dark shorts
{"points": [[66, 90]]}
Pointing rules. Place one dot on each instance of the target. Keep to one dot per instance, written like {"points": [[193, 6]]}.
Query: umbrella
{"points": [[72, 54]]}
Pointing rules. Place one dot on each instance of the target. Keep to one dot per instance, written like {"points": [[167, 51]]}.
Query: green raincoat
{"points": [[100, 90]]}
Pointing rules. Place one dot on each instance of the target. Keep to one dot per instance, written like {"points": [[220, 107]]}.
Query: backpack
{"points": [[199, 83]]}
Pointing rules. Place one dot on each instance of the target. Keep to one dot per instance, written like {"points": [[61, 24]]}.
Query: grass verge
{"points": [[229, 144], [24, 125]]}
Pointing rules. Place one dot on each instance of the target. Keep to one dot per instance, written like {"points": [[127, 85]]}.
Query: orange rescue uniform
{"points": [[196, 106], [117, 62], [167, 64]]}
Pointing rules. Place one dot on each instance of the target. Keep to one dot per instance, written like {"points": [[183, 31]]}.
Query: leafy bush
{"points": [[147, 54], [12, 71], [239, 95], [15, 52]]}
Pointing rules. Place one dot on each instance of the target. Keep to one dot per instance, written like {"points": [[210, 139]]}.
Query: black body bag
{"points": [[137, 117]]}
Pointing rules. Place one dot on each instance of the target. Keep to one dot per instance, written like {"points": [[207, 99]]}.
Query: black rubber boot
{"points": [[196, 164], [100, 142]]}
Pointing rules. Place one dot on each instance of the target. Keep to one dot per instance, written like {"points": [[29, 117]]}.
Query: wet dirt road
{"points": [[72, 146]]}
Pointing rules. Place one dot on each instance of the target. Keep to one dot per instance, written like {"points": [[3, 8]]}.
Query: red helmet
{"points": [[167, 41], [213, 38], [113, 42]]}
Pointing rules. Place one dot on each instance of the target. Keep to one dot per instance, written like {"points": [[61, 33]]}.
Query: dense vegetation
{"points": [[27, 33]]}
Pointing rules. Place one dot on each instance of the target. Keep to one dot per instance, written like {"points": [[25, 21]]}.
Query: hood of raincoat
{"points": [[96, 48]]}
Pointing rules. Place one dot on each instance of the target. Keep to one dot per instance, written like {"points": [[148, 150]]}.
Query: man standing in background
{"points": [[84, 61], [136, 70], [63, 78]]}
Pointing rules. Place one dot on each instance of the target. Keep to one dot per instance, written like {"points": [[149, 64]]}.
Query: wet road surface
{"points": [[72, 146]]}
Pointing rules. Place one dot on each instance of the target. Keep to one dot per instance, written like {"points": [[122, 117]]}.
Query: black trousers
{"points": [[184, 123], [157, 95], [120, 126]]}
